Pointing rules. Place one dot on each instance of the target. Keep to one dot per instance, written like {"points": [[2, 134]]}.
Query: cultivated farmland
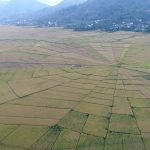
{"points": [[65, 90]]}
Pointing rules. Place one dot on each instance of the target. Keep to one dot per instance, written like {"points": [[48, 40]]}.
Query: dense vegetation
{"points": [[110, 15]]}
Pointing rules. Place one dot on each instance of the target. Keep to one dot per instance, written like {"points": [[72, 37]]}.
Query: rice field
{"points": [[65, 90]]}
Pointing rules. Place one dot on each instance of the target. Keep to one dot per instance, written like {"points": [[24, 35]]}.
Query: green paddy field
{"points": [[65, 90]]}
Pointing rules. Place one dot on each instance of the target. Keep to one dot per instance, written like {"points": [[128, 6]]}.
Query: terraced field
{"points": [[64, 90]]}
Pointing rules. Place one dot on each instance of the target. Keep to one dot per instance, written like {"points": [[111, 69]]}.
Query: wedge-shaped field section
{"points": [[146, 138], [27, 121], [73, 76], [19, 114], [52, 94], [106, 85], [6, 75], [99, 101], [34, 100], [101, 95], [120, 141], [29, 86], [21, 74], [94, 109], [90, 142], [96, 126], [143, 119], [67, 140], [25, 136], [104, 90], [80, 85], [74, 121], [121, 106], [139, 102], [5, 130], [129, 93], [6, 92], [63, 88], [47, 141], [124, 124], [10, 147]]}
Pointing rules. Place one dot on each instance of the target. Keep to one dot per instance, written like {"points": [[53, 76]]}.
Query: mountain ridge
{"points": [[62, 5], [25, 11], [110, 15], [82, 15], [15, 7]]}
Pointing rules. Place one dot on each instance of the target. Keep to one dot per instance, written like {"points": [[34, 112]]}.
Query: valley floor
{"points": [[65, 90]]}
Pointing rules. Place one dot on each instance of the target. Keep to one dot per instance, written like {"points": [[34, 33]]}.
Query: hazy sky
{"points": [[50, 2]]}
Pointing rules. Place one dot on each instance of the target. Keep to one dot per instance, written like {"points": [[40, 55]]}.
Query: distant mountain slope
{"points": [[64, 4], [19, 7], [104, 14], [67, 3], [27, 11]]}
